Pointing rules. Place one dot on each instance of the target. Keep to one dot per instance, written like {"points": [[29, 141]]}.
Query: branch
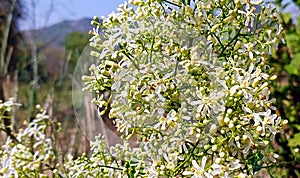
{"points": [[172, 3]]}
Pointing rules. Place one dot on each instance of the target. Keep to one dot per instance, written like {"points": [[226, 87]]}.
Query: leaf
{"points": [[298, 26], [294, 67], [292, 39], [297, 127], [286, 18], [295, 141], [291, 69], [284, 6], [296, 59], [278, 2]]}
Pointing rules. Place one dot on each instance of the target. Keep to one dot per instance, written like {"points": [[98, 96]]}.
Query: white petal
{"points": [[195, 102], [256, 2], [185, 173], [195, 164], [233, 89], [204, 158]]}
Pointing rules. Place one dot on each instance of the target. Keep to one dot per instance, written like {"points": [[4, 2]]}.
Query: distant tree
{"points": [[54, 58], [11, 12], [74, 44]]}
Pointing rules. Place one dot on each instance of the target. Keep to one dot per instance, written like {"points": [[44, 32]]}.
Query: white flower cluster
{"points": [[6, 106], [190, 82], [30, 153], [103, 163]]}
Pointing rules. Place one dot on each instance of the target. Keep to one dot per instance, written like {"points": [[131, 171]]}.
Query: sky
{"points": [[48, 12]]}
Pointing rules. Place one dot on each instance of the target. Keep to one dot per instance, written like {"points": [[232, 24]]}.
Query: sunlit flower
{"points": [[199, 172]]}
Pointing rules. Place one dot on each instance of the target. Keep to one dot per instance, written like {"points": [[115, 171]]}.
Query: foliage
{"points": [[31, 152], [190, 80], [285, 62], [75, 43], [76, 40]]}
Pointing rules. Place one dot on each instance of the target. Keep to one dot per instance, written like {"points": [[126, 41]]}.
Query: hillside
{"points": [[54, 35]]}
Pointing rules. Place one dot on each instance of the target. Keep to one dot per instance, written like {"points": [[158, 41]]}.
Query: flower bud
{"points": [[274, 77], [226, 120], [213, 140], [96, 18], [245, 137], [213, 128], [110, 63], [257, 3], [237, 45], [256, 81], [105, 73], [213, 28], [214, 148], [221, 121], [95, 54], [86, 78], [284, 122], [264, 85], [171, 123], [212, 39], [231, 125], [222, 154], [218, 160], [229, 18], [95, 23], [229, 111], [259, 130]]}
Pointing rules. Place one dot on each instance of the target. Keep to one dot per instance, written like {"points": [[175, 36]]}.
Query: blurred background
{"points": [[41, 42]]}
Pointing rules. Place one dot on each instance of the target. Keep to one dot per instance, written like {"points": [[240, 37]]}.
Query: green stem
{"points": [[176, 68], [129, 56], [110, 167], [172, 3], [187, 159], [151, 51], [231, 41]]}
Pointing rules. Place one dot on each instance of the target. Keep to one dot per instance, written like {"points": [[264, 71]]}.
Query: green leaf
{"points": [[291, 69], [296, 59], [295, 141], [298, 26], [292, 39], [291, 118], [278, 2], [284, 6], [286, 18], [294, 67], [297, 127]]}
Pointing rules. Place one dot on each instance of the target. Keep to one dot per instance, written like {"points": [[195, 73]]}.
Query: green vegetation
{"points": [[75, 44], [285, 62]]}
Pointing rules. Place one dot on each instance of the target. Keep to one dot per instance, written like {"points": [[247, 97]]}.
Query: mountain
{"points": [[51, 49], [54, 35]]}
